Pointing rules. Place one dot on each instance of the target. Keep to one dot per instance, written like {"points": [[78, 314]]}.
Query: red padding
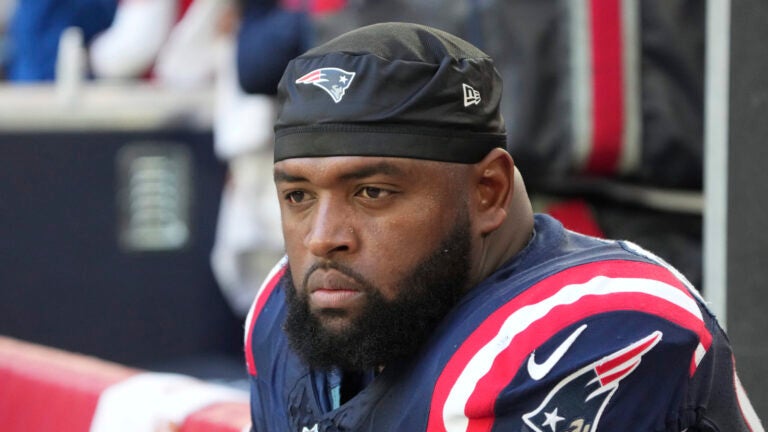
{"points": [[46, 389]]}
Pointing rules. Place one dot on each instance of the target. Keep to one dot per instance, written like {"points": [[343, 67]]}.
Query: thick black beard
{"points": [[386, 331]]}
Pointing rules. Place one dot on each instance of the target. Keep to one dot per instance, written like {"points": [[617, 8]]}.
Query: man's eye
{"points": [[372, 192], [295, 197]]}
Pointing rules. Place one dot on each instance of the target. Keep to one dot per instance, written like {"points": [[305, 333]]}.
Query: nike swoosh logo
{"points": [[538, 371]]}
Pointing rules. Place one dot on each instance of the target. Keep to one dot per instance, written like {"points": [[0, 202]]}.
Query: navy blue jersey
{"points": [[573, 334]]}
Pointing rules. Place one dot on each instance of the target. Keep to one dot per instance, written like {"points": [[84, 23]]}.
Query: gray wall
{"points": [[747, 226]]}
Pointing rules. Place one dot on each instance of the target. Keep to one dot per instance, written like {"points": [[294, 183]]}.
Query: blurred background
{"points": [[137, 215]]}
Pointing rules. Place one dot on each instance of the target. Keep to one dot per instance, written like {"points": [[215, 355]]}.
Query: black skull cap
{"points": [[391, 89]]}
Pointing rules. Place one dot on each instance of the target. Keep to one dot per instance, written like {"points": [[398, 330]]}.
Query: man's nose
{"points": [[331, 230]]}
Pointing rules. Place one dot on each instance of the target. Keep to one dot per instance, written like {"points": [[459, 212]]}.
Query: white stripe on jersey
{"points": [[280, 264]]}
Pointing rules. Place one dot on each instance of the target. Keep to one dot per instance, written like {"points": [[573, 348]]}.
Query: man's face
{"points": [[376, 246]]}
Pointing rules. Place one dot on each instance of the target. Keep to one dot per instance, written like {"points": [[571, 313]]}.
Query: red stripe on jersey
{"points": [[607, 86], [479, 407], [258, 305]]}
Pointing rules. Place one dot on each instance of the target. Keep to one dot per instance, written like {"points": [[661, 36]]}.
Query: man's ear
{"points": [[494, 187]]}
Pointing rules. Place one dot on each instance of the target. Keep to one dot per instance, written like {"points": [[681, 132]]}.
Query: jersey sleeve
{"points": [[720, 401], [607, 345], [628, 371]]}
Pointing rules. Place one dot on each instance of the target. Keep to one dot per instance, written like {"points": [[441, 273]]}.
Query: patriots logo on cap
{"points": [[334, 81], [577, 402]]}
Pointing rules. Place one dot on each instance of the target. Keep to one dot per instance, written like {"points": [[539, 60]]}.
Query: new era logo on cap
{"points": [[334, 81], [471, 96]]}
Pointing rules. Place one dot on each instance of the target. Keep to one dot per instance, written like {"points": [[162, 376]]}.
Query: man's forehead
{"points": [[351, 167]]}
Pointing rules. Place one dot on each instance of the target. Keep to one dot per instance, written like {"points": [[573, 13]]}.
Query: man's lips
{"points": [[330, 289], [333, 298]]}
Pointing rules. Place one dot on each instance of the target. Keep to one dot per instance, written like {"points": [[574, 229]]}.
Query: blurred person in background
{"points": [[268, 33], [191, 44], [36, 26], [248, 240], [170, 42]]}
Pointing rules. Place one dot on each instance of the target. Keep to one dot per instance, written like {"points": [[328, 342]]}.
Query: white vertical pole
{"points": [[716, 103]]}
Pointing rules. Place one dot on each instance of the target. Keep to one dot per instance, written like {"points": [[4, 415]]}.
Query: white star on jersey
{"points": [[552, 419]]}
